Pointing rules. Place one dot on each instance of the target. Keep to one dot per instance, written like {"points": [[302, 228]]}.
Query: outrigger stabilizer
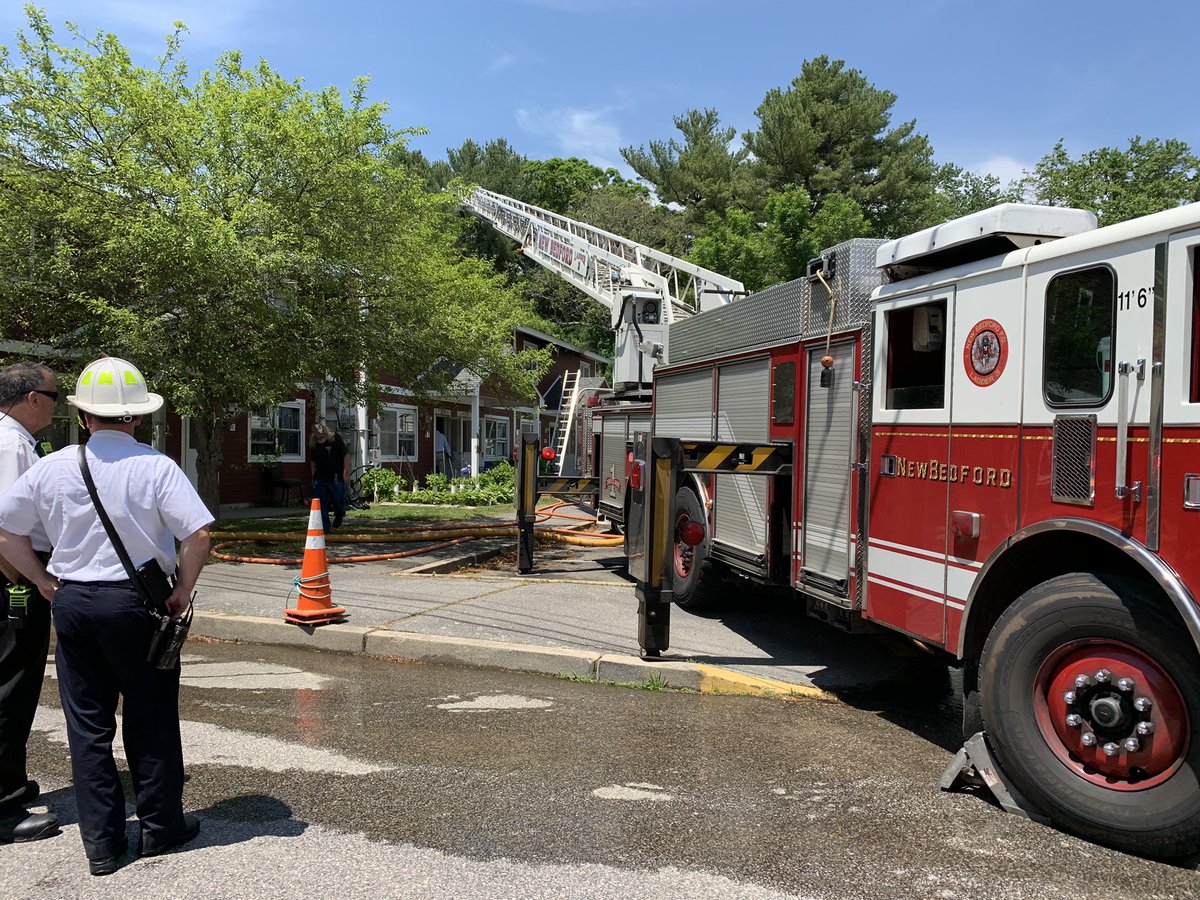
{"points": [[975, 767]]}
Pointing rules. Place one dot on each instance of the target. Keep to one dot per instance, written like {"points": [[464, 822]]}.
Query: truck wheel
{"points": [[1091, 698], [697, 581]]}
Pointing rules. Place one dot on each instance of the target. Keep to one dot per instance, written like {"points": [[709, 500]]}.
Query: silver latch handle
{"points": [[1123, 488]]}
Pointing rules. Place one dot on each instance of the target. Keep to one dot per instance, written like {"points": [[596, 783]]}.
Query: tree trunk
{"points": [[210, 436]]}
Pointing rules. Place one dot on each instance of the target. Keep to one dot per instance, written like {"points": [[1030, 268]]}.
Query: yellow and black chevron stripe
{"points": [[574, 485], [764, 458]]}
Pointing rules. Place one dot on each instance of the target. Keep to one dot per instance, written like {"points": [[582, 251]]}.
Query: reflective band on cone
{"points": [[315, 604]]}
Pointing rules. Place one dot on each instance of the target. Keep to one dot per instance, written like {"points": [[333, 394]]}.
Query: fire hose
{"points": [[443, 536]]}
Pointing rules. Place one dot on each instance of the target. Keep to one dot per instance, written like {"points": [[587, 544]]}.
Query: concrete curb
{"points": [[391, 644]]}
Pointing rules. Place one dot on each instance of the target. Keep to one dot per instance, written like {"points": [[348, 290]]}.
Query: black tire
{"points": [[698, 581], [1146, 801]]}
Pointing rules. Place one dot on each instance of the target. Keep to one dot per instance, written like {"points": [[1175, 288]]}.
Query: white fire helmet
{"points": [[113, 388]]}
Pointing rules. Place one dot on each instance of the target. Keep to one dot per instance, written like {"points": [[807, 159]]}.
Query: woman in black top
{"points": [[330, 461]]}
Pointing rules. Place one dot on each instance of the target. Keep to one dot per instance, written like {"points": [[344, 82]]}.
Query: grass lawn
{"points": [[380, 514]]}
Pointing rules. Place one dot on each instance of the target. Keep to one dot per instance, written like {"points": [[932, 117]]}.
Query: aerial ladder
{"points": [[644, 289]]}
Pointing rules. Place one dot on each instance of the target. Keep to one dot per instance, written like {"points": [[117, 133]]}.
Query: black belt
{"points": [[117, 584]]}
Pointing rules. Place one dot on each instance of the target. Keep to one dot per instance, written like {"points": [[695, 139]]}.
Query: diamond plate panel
{"points": [[1073, 479]]}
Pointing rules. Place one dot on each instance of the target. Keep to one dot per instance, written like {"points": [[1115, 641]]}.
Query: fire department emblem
{"points": [[612, 483], [985, 352]]}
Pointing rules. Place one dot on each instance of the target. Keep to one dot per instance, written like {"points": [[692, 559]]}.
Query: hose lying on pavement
{"points": [[443, 535]]}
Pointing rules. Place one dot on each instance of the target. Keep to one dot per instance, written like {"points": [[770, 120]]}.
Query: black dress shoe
{"points": [[22, 827], [191, 828], [106, 865]]}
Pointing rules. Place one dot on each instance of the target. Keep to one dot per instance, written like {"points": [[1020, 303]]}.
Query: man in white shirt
{"points": [[443, 456], [28, 394], [103, 628]]}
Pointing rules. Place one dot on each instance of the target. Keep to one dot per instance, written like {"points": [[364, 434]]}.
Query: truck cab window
{"points": [[1081, 321], [916, 356]]}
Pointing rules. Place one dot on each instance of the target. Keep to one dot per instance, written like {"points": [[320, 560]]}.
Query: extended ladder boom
{"points": [[644, 289]]}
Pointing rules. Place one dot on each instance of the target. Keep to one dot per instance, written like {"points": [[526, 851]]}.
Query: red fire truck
{"points": [[986, 436]]}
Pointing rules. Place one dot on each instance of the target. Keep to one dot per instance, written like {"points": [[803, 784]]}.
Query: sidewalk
{"points": [[574, 614]]}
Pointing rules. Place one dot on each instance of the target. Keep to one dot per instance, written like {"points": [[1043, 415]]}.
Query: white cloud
{"points": [[502, 61], [587, 133], [1004, 168]]}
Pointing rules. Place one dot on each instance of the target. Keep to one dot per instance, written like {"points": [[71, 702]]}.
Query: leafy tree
{"points": [[1115, 184], [778, 249], [959, 192], [830, 132], [702, 175], [234, 235], [495, 166], [734, 245], [619, 211], [567, 312], [559, 184]]}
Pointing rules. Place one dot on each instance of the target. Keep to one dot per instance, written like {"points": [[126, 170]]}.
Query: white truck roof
{"points": [[981, 235]]}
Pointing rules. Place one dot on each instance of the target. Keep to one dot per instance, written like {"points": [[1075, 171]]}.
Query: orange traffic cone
{"points": [[315, 605]]}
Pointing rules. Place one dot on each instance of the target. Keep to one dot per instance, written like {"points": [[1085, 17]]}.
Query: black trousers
{"points": [[103, 632], [22, 667]]}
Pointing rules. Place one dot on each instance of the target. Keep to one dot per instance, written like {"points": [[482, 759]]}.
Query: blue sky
{"points": [[992, 85]]}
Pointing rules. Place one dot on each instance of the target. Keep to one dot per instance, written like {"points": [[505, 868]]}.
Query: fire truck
{"points": [[985, 436]]}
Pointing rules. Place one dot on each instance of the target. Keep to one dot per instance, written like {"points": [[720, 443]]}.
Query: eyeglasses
{"points": [[53, 395]]}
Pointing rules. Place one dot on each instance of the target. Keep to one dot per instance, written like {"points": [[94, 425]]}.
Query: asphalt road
{"points": [[333, 775]]}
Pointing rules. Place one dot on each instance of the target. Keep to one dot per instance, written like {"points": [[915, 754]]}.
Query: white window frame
{"points": [[490, 440], [271, 421], [585, 369], [392, 454]]}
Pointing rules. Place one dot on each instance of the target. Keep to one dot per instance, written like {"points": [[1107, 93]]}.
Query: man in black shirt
{"points": [[330, 462]]}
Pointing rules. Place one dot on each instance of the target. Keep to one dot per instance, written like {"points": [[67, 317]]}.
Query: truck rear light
{"points": [[548, 453], [690, 532], [635, 476]]}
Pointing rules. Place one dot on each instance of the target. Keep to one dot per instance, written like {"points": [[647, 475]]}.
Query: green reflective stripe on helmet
{"points": [[87, 377], [131, 377], [104, 378]]}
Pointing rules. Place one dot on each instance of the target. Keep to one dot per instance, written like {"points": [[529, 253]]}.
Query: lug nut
{"points": [[1125, 684], [1082, 681], [1143, 704], [1088, 739], [1069, 697], [1103, 675], [1111, 749], [1132, 744], [1145, 728], [1075, 720]]}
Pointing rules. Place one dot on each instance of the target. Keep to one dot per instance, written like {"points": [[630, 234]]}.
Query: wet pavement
{"points": [[576, 598], [340, 775]]}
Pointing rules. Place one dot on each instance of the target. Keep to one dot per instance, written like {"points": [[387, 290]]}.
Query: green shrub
{"points": [[500, 475], [381, 484]]}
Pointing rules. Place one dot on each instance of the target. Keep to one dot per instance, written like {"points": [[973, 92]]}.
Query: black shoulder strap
{"points": [[117, 543]]}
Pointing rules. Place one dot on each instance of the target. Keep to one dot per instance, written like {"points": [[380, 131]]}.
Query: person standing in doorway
{"points": [[28, 394], [103, 627], [330, 462], [443, 456]]}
